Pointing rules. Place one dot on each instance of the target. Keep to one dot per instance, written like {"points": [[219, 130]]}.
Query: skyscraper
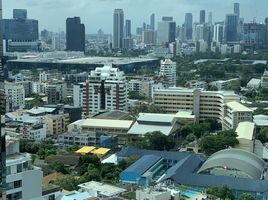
{"points": [[118, 28], [237, 10], [152, 21], [210, 18], [128, 28], [75, 34], [202, 19], [218, 33], [188, 24], [166, 31], [231, 27]]}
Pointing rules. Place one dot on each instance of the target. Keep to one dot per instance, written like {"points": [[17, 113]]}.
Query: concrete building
{"points": [[254, 36], [56, 92], [149, 194], [56, 124], [106, 89], [168, 71], [234, 113], [21, 174], [15, 96], [203, 104], [142, 86], [149, 37], [218, 33], [246, 133], [231, 28], [188, 26], [264, 79], [109, 127], [166, 31]]}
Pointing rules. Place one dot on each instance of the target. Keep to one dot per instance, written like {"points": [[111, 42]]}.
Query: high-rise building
{"points": [[266, 32], [166, 31], [168, 70], [210, 18], [188, 25], [254, 36], [15, 96], [75, 34], [128, 28], [152, 22], [118, 28], [218, 33], [19, 14], [20, 33], [105, 90], [149, 37], [56, 92], [202, 19], [237, 10], [231, 28]]}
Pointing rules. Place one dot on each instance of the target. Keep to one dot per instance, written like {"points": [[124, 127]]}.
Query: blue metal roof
{"points": [[143, 164]]}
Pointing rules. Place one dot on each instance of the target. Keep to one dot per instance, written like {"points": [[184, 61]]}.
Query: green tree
{"points": [[210, 144], [69, 183], [58, 166], [246, 196], [221, 193], [263, 136]]}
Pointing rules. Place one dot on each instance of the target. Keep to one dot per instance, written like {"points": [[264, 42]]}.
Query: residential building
{"points": [[234, 113], [128, 28], [142, 86], [75, 35], [195, 84], [106, 89], [56, 92], [56, 124], [264, 79], [168, 70], [118, 28], [21, 174], [149, 37], [127, 43], [15, 96], [203, 104], [218, 33], [47, 76]]}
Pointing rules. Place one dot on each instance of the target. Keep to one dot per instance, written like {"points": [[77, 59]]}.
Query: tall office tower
{"points": [[118, 28], [266, 32], [218, 33], [128, 28], [19, 14], [144, 26], [152, 21], [210, 18], [202, 19], [149, 37], [75, 35], [188, 25], [254, 36], [237, 10], [168, 70], [104, 90], [231, 28], [166, 31], [21, 33]]}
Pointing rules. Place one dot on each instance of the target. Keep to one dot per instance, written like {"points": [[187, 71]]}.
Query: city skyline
{"points": [[101, 15]]}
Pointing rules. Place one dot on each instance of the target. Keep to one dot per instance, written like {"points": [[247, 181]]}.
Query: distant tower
{"points": [[128, 28], [75, 34], [19, 14], [152, 21], [231, 28], [237, 10], [118, 29], [210, 18], [202, 19], [188, 25]]}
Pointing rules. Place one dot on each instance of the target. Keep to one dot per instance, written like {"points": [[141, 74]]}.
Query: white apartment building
{"points": [[15, 96], [23, 180], [143, 87], [234, 113], [106, 89], [203, 104], [168, 70], [56, 92]]}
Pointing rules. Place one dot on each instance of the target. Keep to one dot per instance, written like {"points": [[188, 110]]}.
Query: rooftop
{"points": [[40, 110], [85, 150], [260, 120], [103, 189], [245, 130], [238, 107], [103, 123]]}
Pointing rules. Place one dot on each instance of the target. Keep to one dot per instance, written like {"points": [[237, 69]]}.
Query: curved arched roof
{"points": [[238, 159]]}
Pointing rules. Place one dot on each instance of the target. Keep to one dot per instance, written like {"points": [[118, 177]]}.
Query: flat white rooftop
{"points": [[101, 188], [40, 110], [245, 130], [103, 123], [238, 107]]}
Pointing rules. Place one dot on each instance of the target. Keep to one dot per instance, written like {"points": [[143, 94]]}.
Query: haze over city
{"points": [[96, 14]]}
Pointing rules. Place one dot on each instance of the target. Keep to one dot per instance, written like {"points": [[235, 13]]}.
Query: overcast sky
{"points": [[97, 14]]}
